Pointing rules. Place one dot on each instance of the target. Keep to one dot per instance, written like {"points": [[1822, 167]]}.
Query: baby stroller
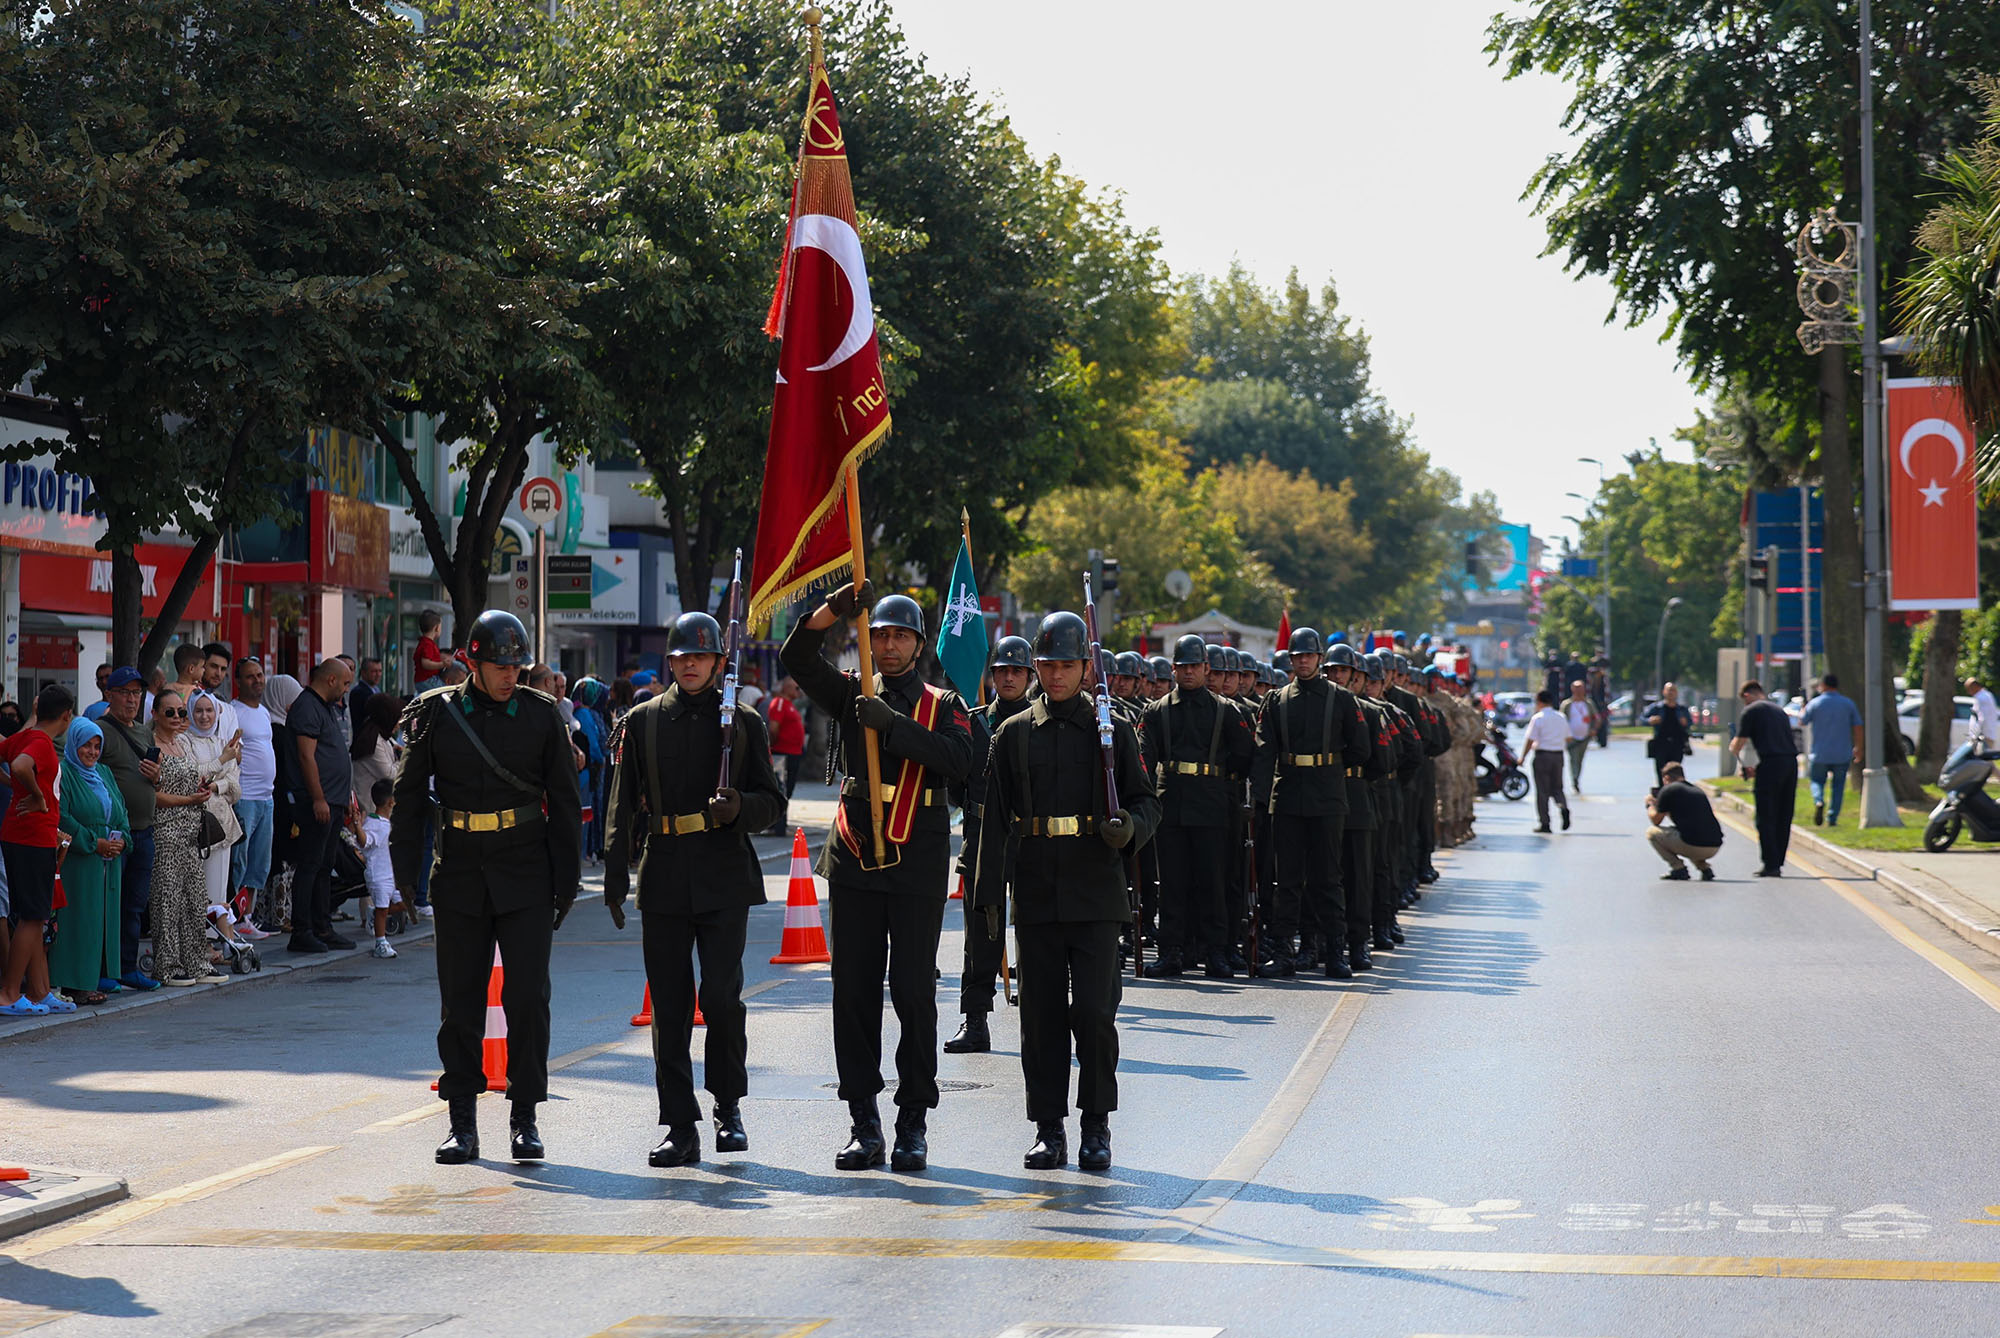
{"points": [[238, 953]]}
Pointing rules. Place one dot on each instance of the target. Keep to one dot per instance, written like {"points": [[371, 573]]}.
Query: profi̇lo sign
{"points": [[36, 489]]}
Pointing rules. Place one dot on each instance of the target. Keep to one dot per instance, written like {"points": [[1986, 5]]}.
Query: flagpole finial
{"points": [[812, 17]]}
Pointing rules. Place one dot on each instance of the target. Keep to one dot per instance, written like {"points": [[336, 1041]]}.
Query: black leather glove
{"points": [[873, 713], [614, 900], [992, 914], [847, 602], [1116, 830], [722, 809], [564, 900]]}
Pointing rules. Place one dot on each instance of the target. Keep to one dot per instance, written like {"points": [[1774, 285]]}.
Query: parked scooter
{"points": [[1503, 776], [1966, 807]]}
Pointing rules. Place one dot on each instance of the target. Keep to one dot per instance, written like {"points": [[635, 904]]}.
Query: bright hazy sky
{"points": [[1367, 143]]}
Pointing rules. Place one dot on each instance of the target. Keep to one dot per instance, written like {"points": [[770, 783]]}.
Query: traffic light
{"points": [[1760, 570], [1108, 567], [1472, 557]]}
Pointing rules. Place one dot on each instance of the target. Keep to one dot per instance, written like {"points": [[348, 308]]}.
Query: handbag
{"points": [[211, 834]]}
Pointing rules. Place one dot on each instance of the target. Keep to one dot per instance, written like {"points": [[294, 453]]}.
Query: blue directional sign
{"points": [[1580, 568]]}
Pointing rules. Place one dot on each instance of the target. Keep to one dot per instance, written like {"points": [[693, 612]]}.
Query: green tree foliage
{"points": [[201, 200], [1302, 529], [1672, 526], [1283, 376]]}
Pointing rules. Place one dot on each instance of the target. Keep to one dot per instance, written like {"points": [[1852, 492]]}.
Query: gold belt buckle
{"points": [[1062, 826], [683, 823], [482, 822]]}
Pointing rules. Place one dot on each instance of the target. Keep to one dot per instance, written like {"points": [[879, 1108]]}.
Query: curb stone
{"points": [[52, 1194]]}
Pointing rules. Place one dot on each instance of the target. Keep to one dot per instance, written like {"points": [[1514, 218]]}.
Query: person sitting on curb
{"points": [[1694, 835]]}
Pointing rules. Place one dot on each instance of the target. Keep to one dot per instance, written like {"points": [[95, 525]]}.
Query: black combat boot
{"points": [[729, 1135], [1395, 932], [462, 1144], [1336, 961], [1357, 956], [911, 1153], [1384, 940], [1237, 961], [1093, 1150], [526, 1140], [680, 1147], [1051, 1149], [1218, 967], [864, 1143], [973, 1037], [1168, 964], [1308, 957]]}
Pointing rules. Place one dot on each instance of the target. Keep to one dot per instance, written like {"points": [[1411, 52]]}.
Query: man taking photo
{"points": [[1694, 833]]}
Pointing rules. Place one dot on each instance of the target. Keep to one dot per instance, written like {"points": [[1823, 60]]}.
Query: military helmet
{"points": [[1394, 663], [498, 638], [1281, 663], [1218, 659], [1305, 641], [1013, 652], [1062, 637], [1336, 638], [1371, 664], [1341, 656], [1129, 664], [1267, 675], [694, 634], [1190, 649], [1162, 667], [1432, 671], [897, 611]]}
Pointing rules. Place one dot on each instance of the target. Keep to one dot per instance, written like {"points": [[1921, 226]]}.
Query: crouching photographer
{"points": [[1684, 826]]}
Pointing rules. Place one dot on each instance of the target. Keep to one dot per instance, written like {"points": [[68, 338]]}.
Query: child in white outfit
{"points": [[381, 874]]}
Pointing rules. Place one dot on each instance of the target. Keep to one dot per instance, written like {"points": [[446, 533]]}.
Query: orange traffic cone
{"points": [[958, 893], [495, 1049], [804, 939], [644, 1017]]}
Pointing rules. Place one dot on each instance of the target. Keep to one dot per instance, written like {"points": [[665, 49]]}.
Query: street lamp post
{"points": [[1660, 645], [1878, 801], [1603, 574]]}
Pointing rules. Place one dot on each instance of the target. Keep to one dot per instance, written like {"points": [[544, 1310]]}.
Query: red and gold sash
{"points": [[909, 784]]}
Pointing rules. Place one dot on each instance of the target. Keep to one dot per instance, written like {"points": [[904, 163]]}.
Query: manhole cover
{"points": [[335, 980], [944, 1085]]}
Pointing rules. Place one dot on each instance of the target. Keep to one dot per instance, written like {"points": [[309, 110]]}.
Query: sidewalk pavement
{"points": [[52, 1194], [811, 808], [1960, 888]]}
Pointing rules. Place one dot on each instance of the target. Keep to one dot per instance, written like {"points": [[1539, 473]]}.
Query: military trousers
{"points": [[673, 944], [1191, 874], [1357, 876], [465, 943], [1388, 892], [1235, 892], [1071, 982], [1308, 858], [981, 968], [877, 934], [1427, 811]]}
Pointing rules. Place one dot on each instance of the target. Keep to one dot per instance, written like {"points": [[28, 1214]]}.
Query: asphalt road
{"points": [[1581, 1101]]}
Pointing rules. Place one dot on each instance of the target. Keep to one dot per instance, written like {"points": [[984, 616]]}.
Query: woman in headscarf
{"points": [[374, 749], [83, 964], [180, 887], [220, 763]]}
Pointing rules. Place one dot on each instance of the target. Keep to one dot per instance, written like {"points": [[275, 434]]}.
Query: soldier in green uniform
{"points": [[1391, 875], [1360, 832], [1160, 679], [886, 916], [1045, 789], [509, 856], [698, 877], [1011, 665]]}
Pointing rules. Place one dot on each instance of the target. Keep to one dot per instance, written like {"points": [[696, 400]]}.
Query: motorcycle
{"points": [[1966, 806], [1504, 776]]}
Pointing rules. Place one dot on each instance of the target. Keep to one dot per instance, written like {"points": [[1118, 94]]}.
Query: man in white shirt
{"points": [[1547, 739], [1582, 717], [1985, 714], [250, 861]]}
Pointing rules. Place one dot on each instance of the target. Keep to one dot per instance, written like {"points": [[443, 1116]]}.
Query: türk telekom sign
{"points": [[1933, 507], [347, 543]]}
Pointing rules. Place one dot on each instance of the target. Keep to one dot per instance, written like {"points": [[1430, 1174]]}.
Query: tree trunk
{"points": [[1940, 686], [176, 602], [128, 585]]}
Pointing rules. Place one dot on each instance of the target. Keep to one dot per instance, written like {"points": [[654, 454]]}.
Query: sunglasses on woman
{"points": [[173, 712]]}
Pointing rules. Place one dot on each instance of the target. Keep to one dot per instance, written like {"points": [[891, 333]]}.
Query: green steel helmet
{"points": [[1371, 664], [1281, 663], [897, 611], [1062, 637], [1341, 656], [1265, 675], [1013, 652], [1129, 664], [694, 634], [1190, 649], [1305, 641], [1162, 667], [498, 638], [1218, 659]]}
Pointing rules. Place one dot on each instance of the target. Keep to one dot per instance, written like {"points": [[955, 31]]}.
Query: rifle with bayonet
{"points": [[732, 654], [1107, 744]]}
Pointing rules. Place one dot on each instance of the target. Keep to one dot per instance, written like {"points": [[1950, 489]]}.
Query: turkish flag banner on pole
{"points": [[1933, 506], [829, 410]]}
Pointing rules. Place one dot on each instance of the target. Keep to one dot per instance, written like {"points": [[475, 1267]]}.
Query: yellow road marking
{"points": [[1091, 1251], [1272, 1127], [431, 1108], [132, 1210], [1981, 988]]}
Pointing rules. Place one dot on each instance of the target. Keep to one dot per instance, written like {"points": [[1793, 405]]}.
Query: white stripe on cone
{"points": [[801, 867], [496, 1023], [802, 917]]}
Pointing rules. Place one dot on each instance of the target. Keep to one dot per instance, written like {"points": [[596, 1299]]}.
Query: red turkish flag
{"points": [[1285, 630], [1933, 506], [829, 410]]}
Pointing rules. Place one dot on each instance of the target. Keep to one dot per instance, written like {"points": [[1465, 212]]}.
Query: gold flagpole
{"points": [[871, 742], [965, 530]]}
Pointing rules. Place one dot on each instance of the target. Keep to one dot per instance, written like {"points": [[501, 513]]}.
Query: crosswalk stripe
{"points": [[702, 1326]]}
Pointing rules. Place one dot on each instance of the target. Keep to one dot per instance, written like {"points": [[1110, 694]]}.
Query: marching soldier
{"points": [[1468, 730], [1391, 874], [1226, 681], [698, 877], [1128, 671], [1160, 679], [1281, 666], [509, 856], [1314, 734], [1359, 833], [886, 917], [1045, 789], [1201, 747], [1012, 663]]}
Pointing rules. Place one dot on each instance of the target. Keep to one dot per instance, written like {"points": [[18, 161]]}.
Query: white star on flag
{"points": [[962, 608], [1934, 495]]}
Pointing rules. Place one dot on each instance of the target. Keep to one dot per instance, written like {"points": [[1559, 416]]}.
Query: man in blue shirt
{"points": [[1833, 723]]}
